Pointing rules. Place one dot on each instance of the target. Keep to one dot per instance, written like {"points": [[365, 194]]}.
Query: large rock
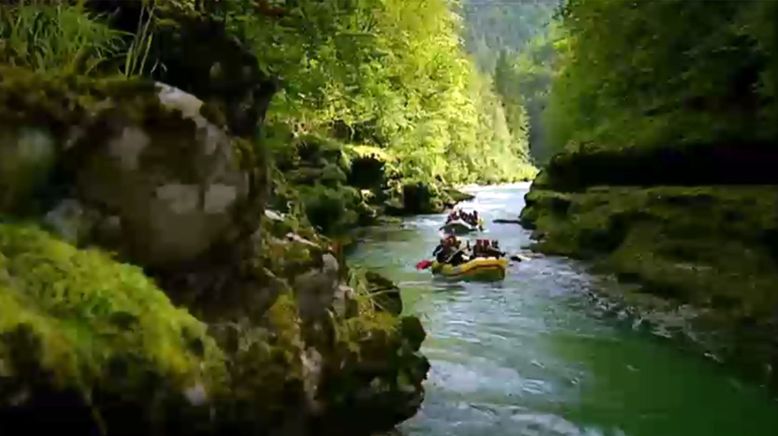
{"points": [[153, 172], [166, 177], [174, 180]]}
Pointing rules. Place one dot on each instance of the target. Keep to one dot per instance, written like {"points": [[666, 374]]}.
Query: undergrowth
{"points": [[56, 38]]}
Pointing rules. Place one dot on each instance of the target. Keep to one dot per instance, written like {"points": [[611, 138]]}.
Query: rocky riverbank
{"points": [[159, 274], [693, 230], [341, 187]]}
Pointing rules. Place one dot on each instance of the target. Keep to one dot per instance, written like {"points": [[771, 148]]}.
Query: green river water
{"points": [[530, 356]]}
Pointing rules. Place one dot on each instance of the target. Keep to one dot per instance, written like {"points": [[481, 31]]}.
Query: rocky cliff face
{"points": [[694, 227], [213, 314]]}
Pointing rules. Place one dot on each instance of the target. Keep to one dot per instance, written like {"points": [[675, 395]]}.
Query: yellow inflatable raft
{"points": [[487, 269]]}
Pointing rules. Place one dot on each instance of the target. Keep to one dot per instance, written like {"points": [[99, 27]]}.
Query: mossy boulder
{"points": [[326, 345], [374, 369], [408, 198], [174, 180], [330, 209], [420, 198], [271, 381], [152, 172], [455, 196], [168, 182], [79, 325], [312, 172]]}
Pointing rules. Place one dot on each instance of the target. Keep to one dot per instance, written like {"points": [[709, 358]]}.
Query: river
{"points": [[530, 356]]}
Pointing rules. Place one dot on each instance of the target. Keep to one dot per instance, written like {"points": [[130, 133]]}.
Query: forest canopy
{"points": [[392, 75], [672, 72], [512, 41]]}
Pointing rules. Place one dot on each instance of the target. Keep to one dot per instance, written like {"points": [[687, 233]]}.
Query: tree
{"points": [[637, 73]]}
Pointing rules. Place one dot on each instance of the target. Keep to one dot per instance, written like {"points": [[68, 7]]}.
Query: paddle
{"points": [[424, 264]]}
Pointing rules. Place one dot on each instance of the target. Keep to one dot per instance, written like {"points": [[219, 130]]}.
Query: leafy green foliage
{"points": [[387, 74], [639, 74], [58, 37], [511, 40]]}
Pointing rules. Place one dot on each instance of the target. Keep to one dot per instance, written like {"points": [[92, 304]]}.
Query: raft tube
{"points": [[460, 227], [485, 269]]}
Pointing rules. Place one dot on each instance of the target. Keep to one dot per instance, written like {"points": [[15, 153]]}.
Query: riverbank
{"points": [[341, 187], [697, 244]]}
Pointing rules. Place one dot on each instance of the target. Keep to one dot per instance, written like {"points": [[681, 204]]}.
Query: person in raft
{"points": [[486, 248], [470, 218], [450, 251]]}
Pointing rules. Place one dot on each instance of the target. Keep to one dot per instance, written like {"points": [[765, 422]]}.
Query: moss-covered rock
{"points": [[269, 379], [313, 173], [385, 293], [713, 248], [455, 196], [78, 322], [174, 181], [140, 153], [145, 169], [374, 369], [407, 198]]}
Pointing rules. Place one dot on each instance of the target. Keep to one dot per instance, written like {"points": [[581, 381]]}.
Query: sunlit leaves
{"points": [[634, 72], [394, 73]]}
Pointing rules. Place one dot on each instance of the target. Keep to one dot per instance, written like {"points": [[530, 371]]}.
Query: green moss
{"points": [[266, 367], [87, 317], [710, 246], [62, 101], [332, 210], [373, 367]]}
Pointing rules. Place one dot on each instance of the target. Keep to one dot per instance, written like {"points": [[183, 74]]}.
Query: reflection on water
{"points": [[528, 357]]}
